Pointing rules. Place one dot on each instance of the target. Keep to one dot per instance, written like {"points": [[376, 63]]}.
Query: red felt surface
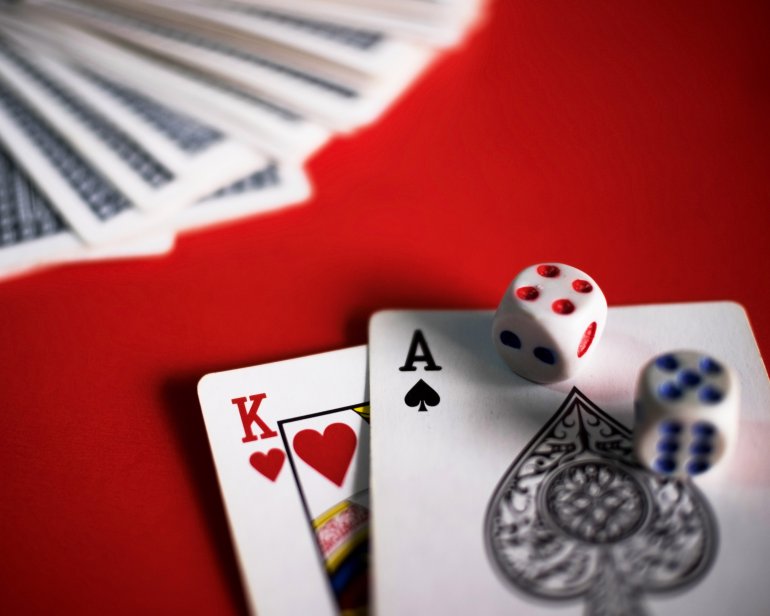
{"points": [[628, 139]]}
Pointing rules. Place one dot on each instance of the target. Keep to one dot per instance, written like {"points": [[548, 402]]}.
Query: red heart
{"points": [[269, 464], [330, 454]]}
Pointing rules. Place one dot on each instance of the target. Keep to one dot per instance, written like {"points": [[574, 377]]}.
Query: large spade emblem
{"points": [[575, 516]]}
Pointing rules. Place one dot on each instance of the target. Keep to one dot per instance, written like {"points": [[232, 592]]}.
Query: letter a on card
{"points": [[419, 342]]}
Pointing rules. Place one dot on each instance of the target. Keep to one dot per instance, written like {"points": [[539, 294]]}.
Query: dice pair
{"points": [[549, 321]]}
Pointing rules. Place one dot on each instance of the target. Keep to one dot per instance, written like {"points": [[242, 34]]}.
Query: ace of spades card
{"points": [[513, 497], [290, 442]]}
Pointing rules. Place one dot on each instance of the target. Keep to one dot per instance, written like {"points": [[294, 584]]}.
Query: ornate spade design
{"points": [[576, 516]]}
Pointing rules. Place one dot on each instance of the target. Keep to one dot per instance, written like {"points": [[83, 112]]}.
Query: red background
{"points": [[631, 141]]}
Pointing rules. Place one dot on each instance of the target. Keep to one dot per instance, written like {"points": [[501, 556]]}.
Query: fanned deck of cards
{"points": [[486, 493], [124, 122]]}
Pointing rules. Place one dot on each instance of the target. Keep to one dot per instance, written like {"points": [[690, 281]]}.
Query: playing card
{"points": [[185, 145], [94, 208], [365, 50], [437, 22], [33, 235], [332, 95], [123, 158], [290, 442], [246, 116], [30, 229], [177, 135], [154, 244], [496, 495], [274, 187]]}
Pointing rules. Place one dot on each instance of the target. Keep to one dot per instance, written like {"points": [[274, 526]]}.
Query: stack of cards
{"points": [[123, 122], [485, 493]]}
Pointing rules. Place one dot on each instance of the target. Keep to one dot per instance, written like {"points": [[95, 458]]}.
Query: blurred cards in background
{"points": [[125, 122]]}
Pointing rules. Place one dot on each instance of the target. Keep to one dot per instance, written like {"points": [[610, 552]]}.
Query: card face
{"points": [[496, 495], [290, 442]]}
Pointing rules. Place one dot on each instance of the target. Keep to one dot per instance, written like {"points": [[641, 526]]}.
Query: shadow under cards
{"points": [[183, 412]]}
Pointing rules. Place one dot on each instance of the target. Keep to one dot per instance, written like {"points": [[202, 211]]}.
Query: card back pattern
{"points": [[25, 214], [101, 197], [259, 180], [187, 134], [142, 162]]}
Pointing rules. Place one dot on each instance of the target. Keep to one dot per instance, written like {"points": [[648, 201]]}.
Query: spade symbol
{"points": [[422, 394], [575, 509]]}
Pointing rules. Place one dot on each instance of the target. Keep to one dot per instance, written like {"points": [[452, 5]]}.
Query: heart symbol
{"points": [[329, 453], [269, 464]]}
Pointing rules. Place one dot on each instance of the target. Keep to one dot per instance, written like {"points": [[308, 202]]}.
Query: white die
{"points": [[549, 321], [686, 413]]}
